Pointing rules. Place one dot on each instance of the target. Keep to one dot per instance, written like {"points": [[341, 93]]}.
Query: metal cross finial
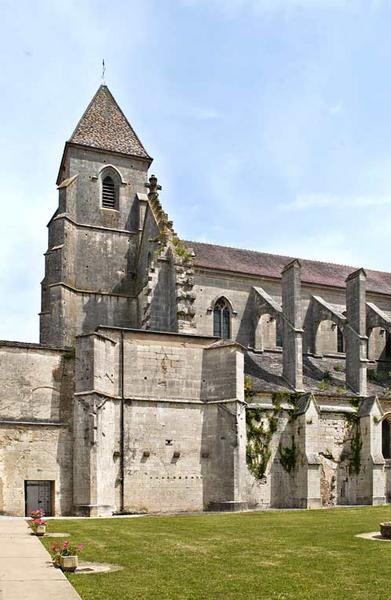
{"points": [[103, 72], [153, 187]]}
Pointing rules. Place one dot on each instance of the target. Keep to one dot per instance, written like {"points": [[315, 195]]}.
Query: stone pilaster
{"points": [[371, 478], [307, 423], [292, 325], [355, 333]]}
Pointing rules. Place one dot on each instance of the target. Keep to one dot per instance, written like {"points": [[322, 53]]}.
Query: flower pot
{"points": [[68, 563], [385, 529], [40, 530], [56, 561]]}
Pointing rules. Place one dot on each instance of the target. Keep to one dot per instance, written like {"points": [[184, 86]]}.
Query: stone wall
{"points": [[183, 436], [237, 289], [36, 389], [92, 252]]}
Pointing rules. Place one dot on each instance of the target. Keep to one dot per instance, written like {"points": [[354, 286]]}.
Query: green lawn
{"points": [[271, 555]]}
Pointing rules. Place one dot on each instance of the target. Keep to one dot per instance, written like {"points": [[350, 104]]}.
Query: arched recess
{"points": [[266, 332], [267, 324], [379, 344], [328, 327], [379, 333], [329, 338]]}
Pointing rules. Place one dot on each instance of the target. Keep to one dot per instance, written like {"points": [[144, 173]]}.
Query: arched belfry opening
{"points": [[109, 193]]}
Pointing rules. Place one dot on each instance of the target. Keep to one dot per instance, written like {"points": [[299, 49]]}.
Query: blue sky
{"points": [[269, 122]]}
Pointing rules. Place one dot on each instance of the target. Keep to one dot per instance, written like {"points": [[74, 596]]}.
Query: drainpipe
{"points": [[122, 432]]}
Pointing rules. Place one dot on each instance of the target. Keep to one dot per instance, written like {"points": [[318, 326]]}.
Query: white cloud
{"points": [[305, 201]]}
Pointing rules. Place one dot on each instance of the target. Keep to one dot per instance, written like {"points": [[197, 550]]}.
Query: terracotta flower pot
{"points": [[69, 563], [40, 530], [385, 529]]}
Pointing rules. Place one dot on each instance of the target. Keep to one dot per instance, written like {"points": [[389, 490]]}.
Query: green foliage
{"points": [[341, 389], [248, 388], [354, 435], [259, 436], [261, 425], [181, 249], [339, 367], [324, 386], [326, 382], [288, 456], [378, 375], [272, 551], [356, 446]]}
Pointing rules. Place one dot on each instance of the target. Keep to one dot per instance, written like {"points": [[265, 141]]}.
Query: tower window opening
{"points": [[222, 319], [340, 341], [108, 193]]}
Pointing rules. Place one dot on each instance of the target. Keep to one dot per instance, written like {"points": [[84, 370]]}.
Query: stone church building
{"points": [[182, 376]]}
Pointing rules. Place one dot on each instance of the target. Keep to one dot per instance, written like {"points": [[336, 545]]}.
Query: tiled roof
{"points": [[104, 126], [261, 264], [265, 371]]}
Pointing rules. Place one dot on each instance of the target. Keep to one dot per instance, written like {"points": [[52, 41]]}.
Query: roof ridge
{"points": [[322, 262]]}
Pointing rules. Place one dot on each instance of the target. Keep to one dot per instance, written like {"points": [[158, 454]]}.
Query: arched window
{"points": [[340, 341], [386, 447], [109, 193], [222, 319], [279, 334]]}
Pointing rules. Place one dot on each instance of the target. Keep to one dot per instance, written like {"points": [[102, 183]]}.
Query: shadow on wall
{"points": [[127, 283], [96, 313], [247, 327], [217, 453], [64, 455]]}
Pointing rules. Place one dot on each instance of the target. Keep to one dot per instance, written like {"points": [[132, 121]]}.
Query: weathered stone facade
{"points": [[180, 376]]}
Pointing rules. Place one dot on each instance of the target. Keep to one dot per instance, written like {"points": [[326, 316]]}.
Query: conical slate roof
{"points": [[105, 126]]}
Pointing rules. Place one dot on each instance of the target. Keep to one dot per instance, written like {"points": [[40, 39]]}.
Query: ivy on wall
{"points": [[261, 426], [288, 456], [354, 435]]}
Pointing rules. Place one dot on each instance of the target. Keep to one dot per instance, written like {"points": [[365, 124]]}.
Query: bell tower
{"points": [[90, 264]]}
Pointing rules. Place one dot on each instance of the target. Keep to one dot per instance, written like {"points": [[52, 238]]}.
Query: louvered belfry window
{"points": [[108, 193]]}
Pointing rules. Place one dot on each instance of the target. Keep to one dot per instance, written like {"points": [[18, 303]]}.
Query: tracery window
{"points": [[222, 319]]}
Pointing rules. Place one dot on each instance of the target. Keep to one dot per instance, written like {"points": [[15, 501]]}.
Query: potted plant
{"points": [[38, 526], [385, 529], [66, 556], [37, 514], [38, 523]]}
